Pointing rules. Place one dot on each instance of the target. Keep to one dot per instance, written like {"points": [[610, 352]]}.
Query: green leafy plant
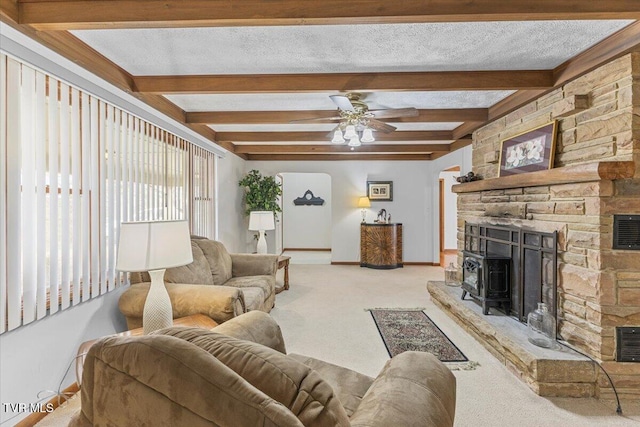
{"points": [[261, 192]]}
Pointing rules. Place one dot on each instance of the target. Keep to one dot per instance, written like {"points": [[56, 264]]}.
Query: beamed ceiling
{"points": [[239, 71]]}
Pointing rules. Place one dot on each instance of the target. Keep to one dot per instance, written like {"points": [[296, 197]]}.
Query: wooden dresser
{"points": [[381, 245]]}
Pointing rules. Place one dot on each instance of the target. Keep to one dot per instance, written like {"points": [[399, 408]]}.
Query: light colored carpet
{"points": [[323, 315]]}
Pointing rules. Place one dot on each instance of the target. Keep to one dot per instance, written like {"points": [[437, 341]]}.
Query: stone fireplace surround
{"points": [[596, 175]]}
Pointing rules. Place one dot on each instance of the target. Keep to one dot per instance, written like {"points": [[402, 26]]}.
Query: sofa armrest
{"points": [[159, 380], [220, 303], [255, 326], [413, 389], [253, 265]]}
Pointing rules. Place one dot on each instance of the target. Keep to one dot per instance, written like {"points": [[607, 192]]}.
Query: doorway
{"points": [[306, 229], [448, 215]]}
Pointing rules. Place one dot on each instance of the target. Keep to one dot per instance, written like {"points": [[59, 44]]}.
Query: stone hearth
{"points": [[548, 372]]}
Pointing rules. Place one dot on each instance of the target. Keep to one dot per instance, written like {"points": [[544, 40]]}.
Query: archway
{"points": [[306, 228]]}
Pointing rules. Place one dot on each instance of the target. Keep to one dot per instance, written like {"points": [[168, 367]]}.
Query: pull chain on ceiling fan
{"points": [[357, 121]]}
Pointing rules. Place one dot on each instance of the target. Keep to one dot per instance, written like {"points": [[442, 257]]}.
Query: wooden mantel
{"points": [[585, 172]]}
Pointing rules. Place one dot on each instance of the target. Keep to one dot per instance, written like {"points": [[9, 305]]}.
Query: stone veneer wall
{"points": [[598, 288]]}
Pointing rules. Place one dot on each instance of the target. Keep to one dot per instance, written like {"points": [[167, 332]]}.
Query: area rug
{"points": [[412, 330]]}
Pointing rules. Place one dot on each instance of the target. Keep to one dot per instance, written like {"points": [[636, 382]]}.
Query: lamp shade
{"points": [[364, 202], [261, 220], [145, 246], [367, 135]]}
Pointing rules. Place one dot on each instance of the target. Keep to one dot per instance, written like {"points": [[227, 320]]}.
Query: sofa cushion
{"points": [[253, 298], [266, 283], [218, 258], [280, 377], [197, 273]]}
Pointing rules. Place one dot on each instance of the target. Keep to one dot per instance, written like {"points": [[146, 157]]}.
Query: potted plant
{"points": [[261, 192]]}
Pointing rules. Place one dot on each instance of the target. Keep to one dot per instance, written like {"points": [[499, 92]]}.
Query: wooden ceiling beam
{"points": [[10, 10], [341, 148], [459, 143], [466, 129], [68, 15], [345, 82], [430, 135], [283, 117], [617, 44], [332, 157]]}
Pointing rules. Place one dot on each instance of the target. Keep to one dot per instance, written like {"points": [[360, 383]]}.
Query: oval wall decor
{"points": [[308, 199]]}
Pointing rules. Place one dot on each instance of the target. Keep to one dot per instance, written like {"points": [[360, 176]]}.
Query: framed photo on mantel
{"points": [[529, 151], [380, 191]]}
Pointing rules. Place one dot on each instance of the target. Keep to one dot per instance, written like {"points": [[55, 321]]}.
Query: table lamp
{"points": [[364, 203], [261, 221], [154, 247]]}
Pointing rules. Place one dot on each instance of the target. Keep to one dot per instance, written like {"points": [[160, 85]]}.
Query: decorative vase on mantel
{"points": [[542, 326]]}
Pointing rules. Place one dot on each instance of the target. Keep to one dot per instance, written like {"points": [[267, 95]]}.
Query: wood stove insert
{"points": [[533, 268], [487, 278]]}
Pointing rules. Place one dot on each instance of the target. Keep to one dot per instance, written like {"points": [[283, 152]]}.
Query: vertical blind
{"points": [[73, 167]]}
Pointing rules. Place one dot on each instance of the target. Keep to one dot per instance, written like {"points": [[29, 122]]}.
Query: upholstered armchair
{"points": [[217, 284], [238, 374]]}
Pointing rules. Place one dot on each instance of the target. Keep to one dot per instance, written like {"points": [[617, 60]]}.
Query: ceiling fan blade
{"points": [[316, 119], [394, 112], [342, 102], [381, 126]]}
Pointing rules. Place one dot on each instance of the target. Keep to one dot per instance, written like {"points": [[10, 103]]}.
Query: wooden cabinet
{"points": [[381, 245]]}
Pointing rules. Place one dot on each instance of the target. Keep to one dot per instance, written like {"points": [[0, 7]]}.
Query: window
{"points": [[73, 167]]}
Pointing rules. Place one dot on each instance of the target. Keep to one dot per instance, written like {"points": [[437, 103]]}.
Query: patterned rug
{"points": [[412, 330]]}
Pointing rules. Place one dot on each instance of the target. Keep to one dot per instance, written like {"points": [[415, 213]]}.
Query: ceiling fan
{"points": [[357, 121]]}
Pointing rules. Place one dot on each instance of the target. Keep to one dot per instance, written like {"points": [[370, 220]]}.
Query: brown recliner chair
{"points": [[238, 374]]}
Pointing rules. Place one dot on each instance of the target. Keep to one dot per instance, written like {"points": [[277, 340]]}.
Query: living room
{"points": [[585, 63]]}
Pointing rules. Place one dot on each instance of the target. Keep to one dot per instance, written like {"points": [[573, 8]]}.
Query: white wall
{"points": [[412, 201], [306, 226], [34, 357], [232, 222], [450, 210]]}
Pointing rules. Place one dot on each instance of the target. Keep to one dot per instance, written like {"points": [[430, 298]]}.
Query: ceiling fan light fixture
{"points": [[350, 132], [367, 135], [354, 142], [338, 138]]}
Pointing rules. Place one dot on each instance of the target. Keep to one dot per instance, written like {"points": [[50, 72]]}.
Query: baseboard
{"points": [[404, 263], [421, 263], [308, 249], [450, 251], [36, 417]]}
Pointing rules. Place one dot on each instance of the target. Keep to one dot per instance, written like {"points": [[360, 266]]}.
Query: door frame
{"points": [[441, 191]]}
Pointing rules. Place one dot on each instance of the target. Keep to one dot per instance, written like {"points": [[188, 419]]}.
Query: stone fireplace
{"points": [[596, 175]]}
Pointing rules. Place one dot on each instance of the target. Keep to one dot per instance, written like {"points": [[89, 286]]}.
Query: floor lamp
{"points": [[261, 221], [154, 247]]}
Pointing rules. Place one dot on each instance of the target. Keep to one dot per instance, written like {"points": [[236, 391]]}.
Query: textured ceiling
{"points": [[348, 48], [367, 49], [321, 101]]}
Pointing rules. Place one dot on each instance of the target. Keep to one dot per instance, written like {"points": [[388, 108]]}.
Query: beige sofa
{"points": [[217, 284], [238, 374]]}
